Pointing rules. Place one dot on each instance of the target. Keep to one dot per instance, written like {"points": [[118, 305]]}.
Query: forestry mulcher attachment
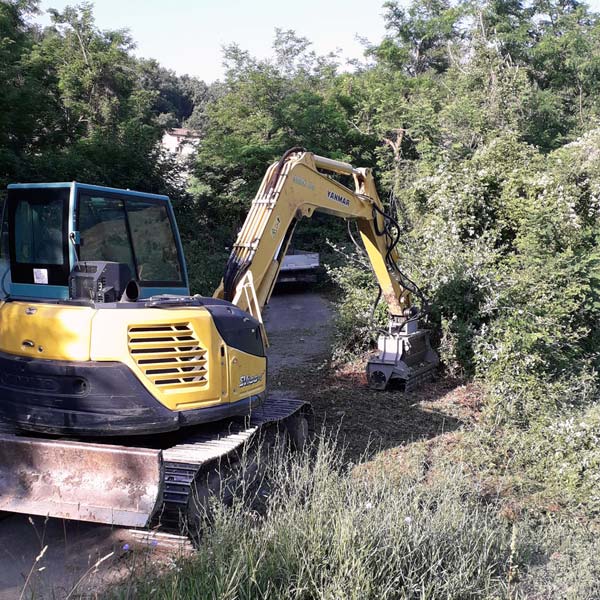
{"points": [[120, 393]]}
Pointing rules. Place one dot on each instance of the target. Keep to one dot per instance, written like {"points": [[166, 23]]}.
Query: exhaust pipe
{"points": [[132, 292]]}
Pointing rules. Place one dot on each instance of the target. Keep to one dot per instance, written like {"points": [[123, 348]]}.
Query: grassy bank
{"points": [[326, 533], [330, 530]]}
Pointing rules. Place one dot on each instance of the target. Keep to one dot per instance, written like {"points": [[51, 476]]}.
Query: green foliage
{"points": [[206, 238], [566, 563], [266, 108], [547, 309], [179, 101], [419, 35], [505, 243], [357, 318], [569, 457], [78, 105], [27, 108], [328, 534], [92, 71]]}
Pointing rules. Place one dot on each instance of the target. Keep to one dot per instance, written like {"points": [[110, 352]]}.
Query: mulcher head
{"points": [[405, 355]]}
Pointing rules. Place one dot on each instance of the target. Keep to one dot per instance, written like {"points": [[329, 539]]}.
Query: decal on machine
{"points": [[40, 276], [301, 181], [275, 227], [246, 380], [338, 198]]}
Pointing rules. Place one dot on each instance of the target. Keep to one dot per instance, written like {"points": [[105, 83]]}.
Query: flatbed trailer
{"points": [[299, 267]]}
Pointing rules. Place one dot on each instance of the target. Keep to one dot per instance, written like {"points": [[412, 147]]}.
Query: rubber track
{"points": [[183, 462]]}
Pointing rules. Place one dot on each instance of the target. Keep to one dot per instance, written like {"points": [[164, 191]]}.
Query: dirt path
{"points": [[299, 326], [72, 549]]}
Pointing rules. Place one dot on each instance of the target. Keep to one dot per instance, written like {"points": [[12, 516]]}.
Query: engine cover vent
{"points": [[169, 355]]}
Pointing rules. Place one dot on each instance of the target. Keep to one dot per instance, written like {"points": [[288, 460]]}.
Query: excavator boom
{"points": [[294, 188], [297, 186]]}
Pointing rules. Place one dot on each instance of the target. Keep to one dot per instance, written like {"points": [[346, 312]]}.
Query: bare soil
{"points": [[367, 421]]}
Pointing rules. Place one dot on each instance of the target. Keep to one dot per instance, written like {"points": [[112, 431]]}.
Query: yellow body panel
{"points": [[247, 374], [177, 354], [114, 330], [47, 331]]}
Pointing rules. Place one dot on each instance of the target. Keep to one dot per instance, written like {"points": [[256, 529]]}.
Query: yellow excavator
{"points": [[120, 391]]}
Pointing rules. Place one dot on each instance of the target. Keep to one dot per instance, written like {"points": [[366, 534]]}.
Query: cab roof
{"points": [[86, 186]]}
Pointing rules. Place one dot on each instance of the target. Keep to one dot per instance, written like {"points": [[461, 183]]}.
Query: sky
{"points": [[187, 36]]}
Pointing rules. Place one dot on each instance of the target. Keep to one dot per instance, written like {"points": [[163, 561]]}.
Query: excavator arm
{"points": [[297, 186]]}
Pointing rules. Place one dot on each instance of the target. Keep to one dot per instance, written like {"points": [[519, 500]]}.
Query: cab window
{"points": [[36, 220], [133, 231], [103, 231], [153, 241]]}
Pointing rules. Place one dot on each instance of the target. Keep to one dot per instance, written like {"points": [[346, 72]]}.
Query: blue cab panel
{"points": [[54, 226]]}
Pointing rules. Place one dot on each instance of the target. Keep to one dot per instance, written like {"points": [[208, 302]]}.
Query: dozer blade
{"points": [[83, 481]]}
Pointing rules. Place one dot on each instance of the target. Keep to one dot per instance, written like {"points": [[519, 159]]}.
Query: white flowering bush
{"points": [[570, 453], [505, 245]]}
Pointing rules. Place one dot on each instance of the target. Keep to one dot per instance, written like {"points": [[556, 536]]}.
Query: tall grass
{"points": [[326, 533]]}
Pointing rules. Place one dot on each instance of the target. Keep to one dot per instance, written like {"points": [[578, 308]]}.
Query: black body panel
{"points": [[237, 328], [92, 399]]}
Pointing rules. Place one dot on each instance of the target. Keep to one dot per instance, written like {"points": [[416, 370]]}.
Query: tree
{"points": [[266, 107], [28, 110], [566, 59], [95, 71], [419, 36]]}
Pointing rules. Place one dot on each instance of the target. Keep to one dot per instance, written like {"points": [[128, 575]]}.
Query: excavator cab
{"points": [[71, 241], [101, 341]]}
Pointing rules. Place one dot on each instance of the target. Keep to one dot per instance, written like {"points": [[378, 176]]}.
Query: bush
{"points": [[505, 244], [357, 325], [566, 457]]}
